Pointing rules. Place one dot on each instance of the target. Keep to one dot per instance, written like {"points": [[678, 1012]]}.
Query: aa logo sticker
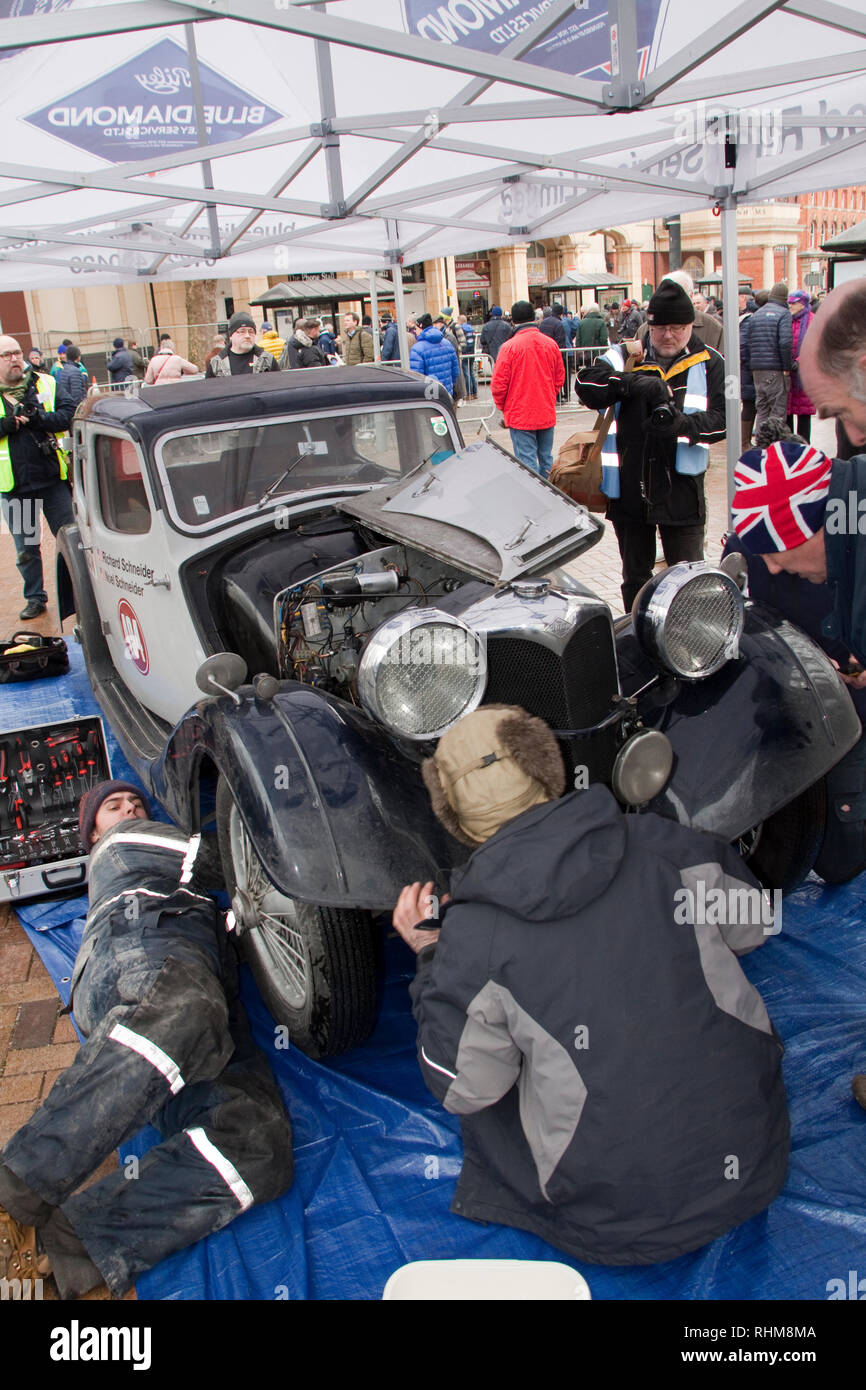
{"points": [[133, 637]]}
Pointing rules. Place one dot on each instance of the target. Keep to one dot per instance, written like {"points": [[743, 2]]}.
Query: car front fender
{"points": [[338, 814], [754, 736]]}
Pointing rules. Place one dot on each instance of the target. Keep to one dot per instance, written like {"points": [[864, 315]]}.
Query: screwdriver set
{"points": [[44, 773]]}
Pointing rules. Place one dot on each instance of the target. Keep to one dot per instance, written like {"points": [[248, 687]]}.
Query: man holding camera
{"points": [[669, 410], [37, 412]]}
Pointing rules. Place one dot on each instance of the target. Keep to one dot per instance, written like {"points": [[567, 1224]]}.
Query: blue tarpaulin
{"points": [[376, 1158]]}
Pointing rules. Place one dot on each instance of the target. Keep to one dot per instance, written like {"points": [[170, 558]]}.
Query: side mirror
{"points": [[736, 567], [224, 671]]}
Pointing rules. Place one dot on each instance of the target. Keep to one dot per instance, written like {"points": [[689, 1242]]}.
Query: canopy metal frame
{"points": [[415, 215]]}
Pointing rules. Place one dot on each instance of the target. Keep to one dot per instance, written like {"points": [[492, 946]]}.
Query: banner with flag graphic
{"points": [[580, 46]]}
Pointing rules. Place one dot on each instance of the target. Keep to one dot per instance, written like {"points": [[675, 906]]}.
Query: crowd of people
{"points": [[171, 1046]]}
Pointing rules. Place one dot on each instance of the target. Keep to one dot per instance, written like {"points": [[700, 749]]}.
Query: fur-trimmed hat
{"points": [[493, 765]]}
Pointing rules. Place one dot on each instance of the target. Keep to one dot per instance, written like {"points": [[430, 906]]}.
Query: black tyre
{"points": [[782, 850], [318, 968]]}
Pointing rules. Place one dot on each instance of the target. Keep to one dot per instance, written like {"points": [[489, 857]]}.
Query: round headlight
{"points": [[421, 671], [689, 619]]}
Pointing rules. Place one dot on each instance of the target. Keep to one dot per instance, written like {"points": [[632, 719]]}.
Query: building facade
{"points": [[777, 240]]}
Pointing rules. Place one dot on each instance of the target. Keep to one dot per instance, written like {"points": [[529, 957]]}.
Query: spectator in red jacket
{"points": [[527, 378]]}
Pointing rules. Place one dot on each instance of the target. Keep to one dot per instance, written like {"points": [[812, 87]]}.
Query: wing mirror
{"points": [[735, 566], [224, 671]]}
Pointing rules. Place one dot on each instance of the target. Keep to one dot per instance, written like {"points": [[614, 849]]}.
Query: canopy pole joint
{"points": [[624, 97]]}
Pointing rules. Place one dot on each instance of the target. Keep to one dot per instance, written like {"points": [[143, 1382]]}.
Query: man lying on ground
{"points": [[155, 993]]}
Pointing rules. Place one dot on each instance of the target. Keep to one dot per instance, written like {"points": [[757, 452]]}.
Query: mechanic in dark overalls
{"points": [[155, 993]]}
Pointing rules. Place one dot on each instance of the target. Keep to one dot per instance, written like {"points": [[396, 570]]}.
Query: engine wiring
{"points": [[319, 639]]}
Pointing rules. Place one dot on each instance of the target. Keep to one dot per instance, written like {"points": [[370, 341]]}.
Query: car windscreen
{"points": [[210, 474]]}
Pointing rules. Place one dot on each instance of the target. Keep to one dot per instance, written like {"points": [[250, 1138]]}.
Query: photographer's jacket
{"points": [[652, 479], [618, 1078], [30, 454]]}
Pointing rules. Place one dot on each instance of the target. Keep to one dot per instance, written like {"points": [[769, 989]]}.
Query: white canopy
{"points": [[162, 139]]}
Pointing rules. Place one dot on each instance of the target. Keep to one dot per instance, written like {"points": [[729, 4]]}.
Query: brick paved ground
{"points": [[35, 1042]]}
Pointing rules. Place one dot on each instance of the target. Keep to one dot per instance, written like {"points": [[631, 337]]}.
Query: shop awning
{"points": [[852, 241], [321, 291], [587, 280]]}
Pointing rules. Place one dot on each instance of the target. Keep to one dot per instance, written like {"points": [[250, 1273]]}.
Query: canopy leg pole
{"points": [[374, 314], [731, 321], [400, 311]]}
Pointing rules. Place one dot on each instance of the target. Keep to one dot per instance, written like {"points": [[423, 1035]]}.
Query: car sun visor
{"points": [[482, 510]]}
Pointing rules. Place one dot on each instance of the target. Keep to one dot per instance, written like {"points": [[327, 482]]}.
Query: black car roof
{"points": [[224, 399]]}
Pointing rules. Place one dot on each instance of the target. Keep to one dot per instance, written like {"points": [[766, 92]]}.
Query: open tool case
{"points": [[44, 772]]}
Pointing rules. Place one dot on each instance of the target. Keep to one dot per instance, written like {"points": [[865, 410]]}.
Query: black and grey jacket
{"points": [[618, 1078]]}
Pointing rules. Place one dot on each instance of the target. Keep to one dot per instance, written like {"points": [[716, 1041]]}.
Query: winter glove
{"points": [[642, 386], [666, 428]]}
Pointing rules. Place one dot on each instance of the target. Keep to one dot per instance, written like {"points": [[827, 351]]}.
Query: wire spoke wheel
{"points": [[317, 967], [782, 849]]}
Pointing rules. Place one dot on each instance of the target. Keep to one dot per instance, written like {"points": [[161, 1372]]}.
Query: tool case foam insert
{"points": [[44, 772]]}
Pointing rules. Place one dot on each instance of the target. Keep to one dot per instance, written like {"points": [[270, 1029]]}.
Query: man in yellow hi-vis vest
{"points": [[37, 412]]}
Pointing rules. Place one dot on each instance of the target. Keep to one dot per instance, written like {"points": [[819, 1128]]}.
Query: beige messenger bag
{"points": [[577, 470]]}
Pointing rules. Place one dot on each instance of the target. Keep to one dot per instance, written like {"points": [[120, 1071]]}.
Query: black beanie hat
{"points": [[240, 320], [92, 800], [670, 304], [118, 343]]}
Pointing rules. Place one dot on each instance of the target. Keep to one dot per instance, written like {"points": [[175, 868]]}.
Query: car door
{"points": [[153, 644]]}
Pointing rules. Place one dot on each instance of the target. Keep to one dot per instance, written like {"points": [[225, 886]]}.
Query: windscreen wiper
{"points": [[266, 496]]}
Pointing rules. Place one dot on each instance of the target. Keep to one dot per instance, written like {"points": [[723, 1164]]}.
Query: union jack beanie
{"points": [[780, 496]]}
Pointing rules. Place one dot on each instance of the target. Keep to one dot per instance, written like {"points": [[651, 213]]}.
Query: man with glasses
{"points": [[669, 410], [243, 356], [37, 412]]}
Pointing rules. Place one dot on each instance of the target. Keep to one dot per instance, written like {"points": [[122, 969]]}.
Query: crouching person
{"points": [[617, 1077], [155, 993]]}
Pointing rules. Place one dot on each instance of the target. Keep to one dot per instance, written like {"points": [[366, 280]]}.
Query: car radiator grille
{"points": [[571, 689]]}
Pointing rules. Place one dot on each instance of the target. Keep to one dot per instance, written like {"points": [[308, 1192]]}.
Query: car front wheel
{"points": [[317, 967], [781, 850]]}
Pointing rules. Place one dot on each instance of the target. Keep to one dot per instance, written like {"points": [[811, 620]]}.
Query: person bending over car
{"points": [[636, 1110], [155, 994], [786, 468]]}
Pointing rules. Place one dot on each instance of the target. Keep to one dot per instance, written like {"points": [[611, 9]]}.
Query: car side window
{"points": [[122, 496]]}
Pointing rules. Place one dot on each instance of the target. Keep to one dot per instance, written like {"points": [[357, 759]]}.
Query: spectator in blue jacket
{"points": [[72, 375], [768, 344], [433, 356], [120, 364], [390, 340]]}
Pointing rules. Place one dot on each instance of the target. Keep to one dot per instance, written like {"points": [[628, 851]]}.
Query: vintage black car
{"points": [[328, 533]]}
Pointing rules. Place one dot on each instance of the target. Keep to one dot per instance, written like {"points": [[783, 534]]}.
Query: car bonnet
{"points": [[482, 510]]}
